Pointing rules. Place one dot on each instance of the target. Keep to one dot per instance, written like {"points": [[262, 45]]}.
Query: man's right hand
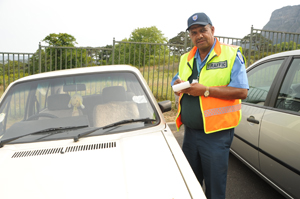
{"points": [[177, 81]]}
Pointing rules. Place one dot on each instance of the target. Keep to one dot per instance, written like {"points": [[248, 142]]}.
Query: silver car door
{"points": [[246, 140], [280, 135]]}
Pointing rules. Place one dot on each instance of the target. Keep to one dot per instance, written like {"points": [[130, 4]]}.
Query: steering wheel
{"points": [[41, 115]]}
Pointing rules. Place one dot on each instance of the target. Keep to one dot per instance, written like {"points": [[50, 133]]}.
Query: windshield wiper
{"points": [[3, 142], [76, 138]]}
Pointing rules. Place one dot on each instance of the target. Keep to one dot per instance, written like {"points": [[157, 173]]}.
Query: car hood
{"points": [[140, 166]]}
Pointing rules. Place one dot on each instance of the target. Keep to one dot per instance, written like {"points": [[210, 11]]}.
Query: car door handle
{"points": [[252, 120]]}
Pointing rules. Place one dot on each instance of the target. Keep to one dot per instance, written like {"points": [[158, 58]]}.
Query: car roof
{"points": [[75, 71], [282, 54]]}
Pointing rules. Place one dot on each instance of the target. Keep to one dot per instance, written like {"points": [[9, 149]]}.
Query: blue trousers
{"points": [[208, 156]]}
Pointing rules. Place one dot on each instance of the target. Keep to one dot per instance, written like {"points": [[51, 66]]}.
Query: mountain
{"points": [[286, 19]]}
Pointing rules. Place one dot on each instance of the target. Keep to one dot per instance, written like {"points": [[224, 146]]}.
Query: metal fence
{"points": [[58, 58], [15, 66], [157, 62], [264, 42]]}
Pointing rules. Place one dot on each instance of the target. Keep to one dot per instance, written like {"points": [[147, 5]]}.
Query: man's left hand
{"points": [[196, 89], [223, 92]]}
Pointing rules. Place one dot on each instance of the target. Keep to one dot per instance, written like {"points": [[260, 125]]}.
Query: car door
{"points": [[279, 141], [246, 138]]}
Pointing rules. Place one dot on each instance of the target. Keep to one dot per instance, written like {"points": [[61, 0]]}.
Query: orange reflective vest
{"points": [[217, 114]]}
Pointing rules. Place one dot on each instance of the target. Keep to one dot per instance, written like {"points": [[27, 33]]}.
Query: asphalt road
{"points": [[242, 183]]}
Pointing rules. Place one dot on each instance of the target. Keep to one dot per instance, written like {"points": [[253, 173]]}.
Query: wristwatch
{"points": [[206, 93]]}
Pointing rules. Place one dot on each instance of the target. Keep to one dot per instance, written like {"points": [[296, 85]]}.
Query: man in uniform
{"points": [[211, 108]]}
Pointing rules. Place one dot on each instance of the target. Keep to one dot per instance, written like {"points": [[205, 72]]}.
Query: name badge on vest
{"points": [[217, 65]]}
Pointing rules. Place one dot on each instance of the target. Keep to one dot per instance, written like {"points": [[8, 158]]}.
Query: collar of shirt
{"points": [[200, 63]]}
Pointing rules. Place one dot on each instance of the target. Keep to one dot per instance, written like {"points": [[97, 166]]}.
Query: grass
{"points": [[1, 90], [159, 80], [170, 115]]}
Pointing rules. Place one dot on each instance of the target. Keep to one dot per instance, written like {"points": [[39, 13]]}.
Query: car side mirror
{"points": [[165, 105]]}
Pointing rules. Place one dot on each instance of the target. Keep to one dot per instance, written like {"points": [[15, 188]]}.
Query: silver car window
{"points": [[260, 80], [289, 95]]}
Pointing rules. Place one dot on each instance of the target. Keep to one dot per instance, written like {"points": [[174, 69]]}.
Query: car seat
{"points": [[57, 104], [115, 108]]}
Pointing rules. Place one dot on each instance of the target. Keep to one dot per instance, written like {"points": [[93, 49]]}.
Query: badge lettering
{"points": [[217, 65]]}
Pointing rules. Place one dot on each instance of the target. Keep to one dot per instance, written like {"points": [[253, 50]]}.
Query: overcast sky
{"points": [[24, 23]]}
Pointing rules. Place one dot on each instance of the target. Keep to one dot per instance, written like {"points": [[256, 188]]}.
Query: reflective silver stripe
{"points": [[222, 110]]}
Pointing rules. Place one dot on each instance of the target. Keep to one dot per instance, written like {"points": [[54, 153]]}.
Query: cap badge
{"points": [[195, 17]]}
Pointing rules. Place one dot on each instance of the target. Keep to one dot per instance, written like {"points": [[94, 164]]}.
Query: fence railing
{"points": [[261, 43], [157, 62], [59, 58], [14, 66]]}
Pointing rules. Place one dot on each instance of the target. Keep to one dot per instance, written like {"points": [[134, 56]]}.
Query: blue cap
{"points": [[198, 18]]}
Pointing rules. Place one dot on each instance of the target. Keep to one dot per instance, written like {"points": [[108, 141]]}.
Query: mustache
{"points": [[199, 40]]}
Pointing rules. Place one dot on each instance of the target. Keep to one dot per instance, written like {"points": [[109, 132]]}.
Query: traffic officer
{"points": [[211, 108]]}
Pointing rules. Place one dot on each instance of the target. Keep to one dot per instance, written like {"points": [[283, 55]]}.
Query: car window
{"points": [[42, 92], [260, 80], [91, 100], [15, 107], [289, 95]]}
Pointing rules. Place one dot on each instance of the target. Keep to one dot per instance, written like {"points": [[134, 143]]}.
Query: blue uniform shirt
{"points": [[238, 77]]}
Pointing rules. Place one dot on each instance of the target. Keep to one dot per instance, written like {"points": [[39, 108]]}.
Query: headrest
{"points": [[114, 93], [58, 101]]}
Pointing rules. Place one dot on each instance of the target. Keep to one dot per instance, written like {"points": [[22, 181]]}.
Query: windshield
{"points": [[80, 101]]}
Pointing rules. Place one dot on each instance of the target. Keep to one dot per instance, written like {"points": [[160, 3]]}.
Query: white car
{"points": [[93, 132]]}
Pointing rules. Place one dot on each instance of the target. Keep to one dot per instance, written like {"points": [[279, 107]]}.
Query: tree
{"points": [[148, 35], [104, 55], [60, 54], [61, 39], [150, 47], [259, 42], [285, 46], [180, 39]]}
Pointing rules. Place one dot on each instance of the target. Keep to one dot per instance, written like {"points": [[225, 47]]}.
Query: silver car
{"points": [[268, 137], [93, 132]]}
